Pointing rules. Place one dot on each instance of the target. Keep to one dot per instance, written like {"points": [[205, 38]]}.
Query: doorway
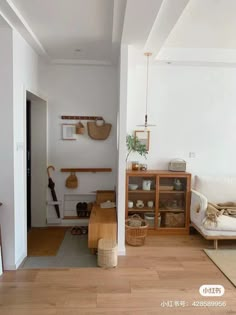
{"points": [[28, 162], [36, 160]]}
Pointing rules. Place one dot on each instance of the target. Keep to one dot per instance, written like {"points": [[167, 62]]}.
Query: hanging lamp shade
{"points": [[146, 124]]}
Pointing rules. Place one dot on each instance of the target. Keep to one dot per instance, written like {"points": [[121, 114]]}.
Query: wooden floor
{"points": [[167, 268]]}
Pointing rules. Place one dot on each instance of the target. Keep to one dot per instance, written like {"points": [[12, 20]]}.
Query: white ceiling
{"points": [[64, 26], [196, 31], [60, 28], [205, 24], [173, 30]]}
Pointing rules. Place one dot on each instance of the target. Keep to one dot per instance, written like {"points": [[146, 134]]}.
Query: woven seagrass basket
{"points": [[135, 235]]}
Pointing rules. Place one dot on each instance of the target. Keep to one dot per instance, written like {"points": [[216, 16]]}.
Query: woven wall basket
{"points": [[98, 132], [72, 181], [80, 129]]}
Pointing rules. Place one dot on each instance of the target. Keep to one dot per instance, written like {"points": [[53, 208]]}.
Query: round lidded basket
{"points": [[135, 234], [107, 253]]}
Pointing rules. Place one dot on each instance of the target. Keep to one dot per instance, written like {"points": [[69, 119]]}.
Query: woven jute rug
{"points": [[225, 260], [45, 241]]}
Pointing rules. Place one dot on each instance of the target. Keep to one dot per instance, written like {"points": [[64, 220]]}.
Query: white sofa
{"points": [[215, 190]]}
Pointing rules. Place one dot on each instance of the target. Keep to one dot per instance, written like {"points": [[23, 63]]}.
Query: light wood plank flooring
{"points": [[167, 268]]}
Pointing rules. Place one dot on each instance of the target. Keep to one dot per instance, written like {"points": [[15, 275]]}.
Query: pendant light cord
{"points": [[147, 84]]}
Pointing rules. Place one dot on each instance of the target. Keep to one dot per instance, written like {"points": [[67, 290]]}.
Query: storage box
{"points": [[174, 219], [150, 218]]}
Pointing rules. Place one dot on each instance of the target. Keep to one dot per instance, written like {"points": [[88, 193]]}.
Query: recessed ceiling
{"points": [[205, 24], [74, 29]]}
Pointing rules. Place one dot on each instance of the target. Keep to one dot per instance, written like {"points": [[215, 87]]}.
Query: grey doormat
{"points": [[72, 253], [225, 260]]}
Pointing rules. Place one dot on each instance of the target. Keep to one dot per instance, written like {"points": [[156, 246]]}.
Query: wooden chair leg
{"points": [[215, 244]]}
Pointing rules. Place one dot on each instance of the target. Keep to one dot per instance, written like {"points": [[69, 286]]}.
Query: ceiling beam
{"points": [[139, 18], [16, 21], [119, 7], [167, 17]]}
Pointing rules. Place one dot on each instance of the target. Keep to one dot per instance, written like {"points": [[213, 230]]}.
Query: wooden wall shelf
{"points": [[82, 117], [82, 170]]}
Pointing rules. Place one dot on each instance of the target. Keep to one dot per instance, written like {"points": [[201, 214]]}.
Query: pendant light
{"points": [[146, 124]]}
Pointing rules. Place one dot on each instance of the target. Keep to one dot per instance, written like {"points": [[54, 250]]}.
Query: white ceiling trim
{"points": [[17, 22]]}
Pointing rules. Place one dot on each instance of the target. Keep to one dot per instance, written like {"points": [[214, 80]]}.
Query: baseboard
{"points": [[121, 251], [20, 260]]}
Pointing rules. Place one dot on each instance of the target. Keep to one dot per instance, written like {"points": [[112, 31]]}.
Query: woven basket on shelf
{"points": [[135, 235], [72, 181]]}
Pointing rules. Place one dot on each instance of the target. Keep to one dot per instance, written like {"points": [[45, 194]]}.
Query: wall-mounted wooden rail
{"points": [[82, 170], [82, 117]]}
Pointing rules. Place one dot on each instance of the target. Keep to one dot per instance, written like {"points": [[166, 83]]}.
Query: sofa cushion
{"points": [[224, 223], [216, 188]]}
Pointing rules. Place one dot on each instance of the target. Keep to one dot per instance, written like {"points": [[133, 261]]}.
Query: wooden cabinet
{"points": [[162, 198]]}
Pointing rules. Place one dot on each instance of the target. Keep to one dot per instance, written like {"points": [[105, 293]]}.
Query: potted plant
{"points": [[134, 145]]}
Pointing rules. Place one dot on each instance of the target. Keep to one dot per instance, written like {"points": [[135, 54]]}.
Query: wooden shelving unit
{"points": [[173, 206], [83, 170]]}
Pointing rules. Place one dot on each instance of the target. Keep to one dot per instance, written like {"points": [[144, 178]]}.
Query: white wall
{"points": [[6, 145], [25, 72], [81, 90], [194, 110]]}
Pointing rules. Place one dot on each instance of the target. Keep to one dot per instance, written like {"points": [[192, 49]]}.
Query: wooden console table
{"points": [[102, 224]]}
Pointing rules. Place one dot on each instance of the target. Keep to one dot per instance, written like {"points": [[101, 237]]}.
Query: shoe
{"points": [[84, 230], [76, 230]]}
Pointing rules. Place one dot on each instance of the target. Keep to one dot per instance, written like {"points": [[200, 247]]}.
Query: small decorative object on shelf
{"points": [[177, 184], [135, 166], [143, 167], [147, 184]]}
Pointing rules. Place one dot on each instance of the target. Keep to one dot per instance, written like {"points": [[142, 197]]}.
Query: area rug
{"points": [[225, 260], [73, 253], [45, 241]]}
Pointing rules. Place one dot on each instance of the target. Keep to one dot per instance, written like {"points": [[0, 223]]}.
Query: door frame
{"points": [[39, 96]]}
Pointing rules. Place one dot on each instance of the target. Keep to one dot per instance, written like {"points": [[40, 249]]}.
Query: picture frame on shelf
{"points": [[69, 132], [143, 136]]}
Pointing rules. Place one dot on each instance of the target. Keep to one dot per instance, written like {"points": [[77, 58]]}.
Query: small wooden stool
{"points": [[107, 253]]}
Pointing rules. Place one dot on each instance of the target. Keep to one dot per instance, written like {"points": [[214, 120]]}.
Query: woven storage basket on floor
{"points": [[135, 235], [107, 253]]}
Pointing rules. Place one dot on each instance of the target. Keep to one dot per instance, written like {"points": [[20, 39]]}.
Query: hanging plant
{"points": [[134, 145]]}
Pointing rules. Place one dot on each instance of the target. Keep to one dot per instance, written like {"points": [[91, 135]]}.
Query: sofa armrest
{"points": [[198, 207]]}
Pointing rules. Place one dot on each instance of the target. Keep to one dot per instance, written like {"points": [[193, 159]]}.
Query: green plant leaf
{"points": [[134, 145]]}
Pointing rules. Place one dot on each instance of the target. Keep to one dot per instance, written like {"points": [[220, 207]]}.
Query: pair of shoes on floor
{"points": [[79, 230]]}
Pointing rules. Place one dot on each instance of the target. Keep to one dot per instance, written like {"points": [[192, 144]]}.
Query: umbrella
{"points": [[51, 185]]}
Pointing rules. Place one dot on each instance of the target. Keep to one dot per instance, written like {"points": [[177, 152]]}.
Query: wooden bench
{"points": [[102, 224]]}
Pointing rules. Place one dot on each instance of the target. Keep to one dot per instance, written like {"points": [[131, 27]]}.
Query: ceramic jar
{"points": [[146, 184], [150, 204], [130, 204], [139, 204]]}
